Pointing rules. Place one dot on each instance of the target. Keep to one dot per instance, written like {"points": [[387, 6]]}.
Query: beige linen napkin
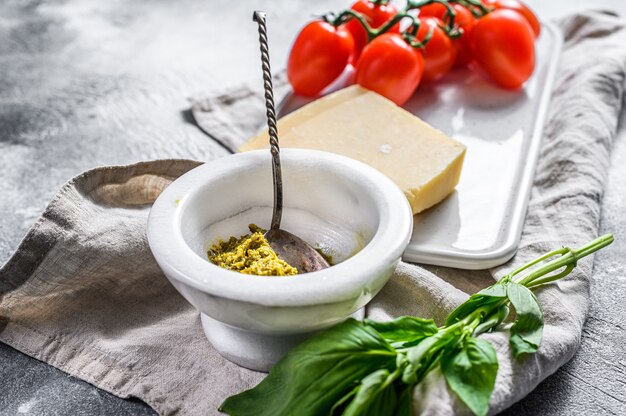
{"points": [[84, 294]]}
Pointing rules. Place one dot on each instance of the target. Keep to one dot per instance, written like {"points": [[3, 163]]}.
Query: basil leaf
{"points": [[405, 402], [487, 296], [498, 290], [471, 373], [405, 330], [376, 396], [384, 404], [493, 320], [317, 373], [338, 407], [527, 331], [420, 359]]}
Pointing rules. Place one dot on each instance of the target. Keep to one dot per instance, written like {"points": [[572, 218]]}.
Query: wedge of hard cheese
{"points": [[355, 122]]}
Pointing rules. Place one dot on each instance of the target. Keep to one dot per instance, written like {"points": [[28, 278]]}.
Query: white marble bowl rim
{"points": [[338, 283]]}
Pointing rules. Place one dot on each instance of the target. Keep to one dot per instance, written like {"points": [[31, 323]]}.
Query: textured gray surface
{"points": [[31, 387], [86, 83]]}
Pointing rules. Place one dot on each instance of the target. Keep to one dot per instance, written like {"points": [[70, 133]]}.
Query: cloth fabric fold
{"points": [[83, 293]]}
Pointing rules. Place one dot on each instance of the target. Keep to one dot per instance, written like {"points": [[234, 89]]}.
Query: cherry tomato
{"points": [[390, 67], [464, 19], [318, 56], [519, 7], [439, 53], [503, 45], [433, 10], [376, 16]]}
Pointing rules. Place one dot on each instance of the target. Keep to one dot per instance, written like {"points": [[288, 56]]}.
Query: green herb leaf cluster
{"points": [[371, 368]]}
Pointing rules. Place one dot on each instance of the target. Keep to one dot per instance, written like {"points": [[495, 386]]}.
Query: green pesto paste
{"points": [[250, 254]]}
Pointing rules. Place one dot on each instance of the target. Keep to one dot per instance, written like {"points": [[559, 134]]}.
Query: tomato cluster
{"points": [[496, 36]]}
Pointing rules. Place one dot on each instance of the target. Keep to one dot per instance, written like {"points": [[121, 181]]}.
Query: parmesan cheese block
{"points": [[358, 123]]}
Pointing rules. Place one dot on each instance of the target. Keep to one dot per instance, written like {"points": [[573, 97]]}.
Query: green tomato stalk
{"points": [[475, 6], [346, 15], [371, 368]]}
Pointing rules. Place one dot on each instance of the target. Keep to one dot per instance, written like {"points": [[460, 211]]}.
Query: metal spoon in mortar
{"points": [[292, 249]]}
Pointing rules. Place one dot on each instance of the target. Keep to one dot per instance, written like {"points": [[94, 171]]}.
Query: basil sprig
{"points": [[362, 368]]}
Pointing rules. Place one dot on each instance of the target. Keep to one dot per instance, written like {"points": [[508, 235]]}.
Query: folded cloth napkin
{"points": [[84, 294]]}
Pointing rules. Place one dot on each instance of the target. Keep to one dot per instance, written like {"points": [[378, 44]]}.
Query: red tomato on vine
{"points": [[432, 10], [439, 53], [376, 16], [519, 7], [503, 44], [390, 67], [318, 56], [464, 20]]}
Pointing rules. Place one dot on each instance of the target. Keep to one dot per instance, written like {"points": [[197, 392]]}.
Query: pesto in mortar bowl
{"points": [[347, 209]]}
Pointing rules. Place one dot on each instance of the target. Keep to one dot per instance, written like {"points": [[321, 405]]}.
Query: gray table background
{"points": [[89, 82]]}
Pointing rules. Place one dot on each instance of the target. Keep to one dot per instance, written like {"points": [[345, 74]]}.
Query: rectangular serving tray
{"points": [[479, 225]]}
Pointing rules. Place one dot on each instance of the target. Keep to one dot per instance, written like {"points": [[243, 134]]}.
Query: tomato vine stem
{"points": [[372, 33], [477, 7]]}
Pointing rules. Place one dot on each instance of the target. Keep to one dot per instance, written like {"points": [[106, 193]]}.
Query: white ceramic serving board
{"points": [[480, 224]]}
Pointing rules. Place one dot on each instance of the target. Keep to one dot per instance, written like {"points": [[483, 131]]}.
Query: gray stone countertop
{"points": [[87, 82]]}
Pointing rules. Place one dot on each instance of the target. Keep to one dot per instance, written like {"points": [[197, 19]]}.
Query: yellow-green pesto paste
{"points": [[250, 254]]}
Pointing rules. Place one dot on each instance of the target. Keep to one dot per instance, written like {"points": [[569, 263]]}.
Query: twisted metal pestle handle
{"points": [[259, 17]]}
